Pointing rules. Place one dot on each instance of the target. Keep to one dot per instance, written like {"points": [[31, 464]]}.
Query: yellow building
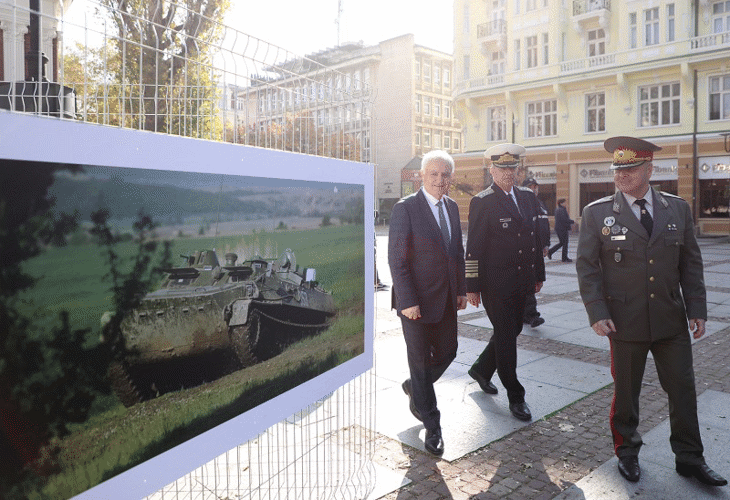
{"points": [[561, 76]]}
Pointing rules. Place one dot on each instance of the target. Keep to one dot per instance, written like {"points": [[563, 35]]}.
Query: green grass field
{"points": [[115, 438]]}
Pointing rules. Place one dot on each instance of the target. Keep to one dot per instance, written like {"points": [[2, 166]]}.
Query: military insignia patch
{"points": [[617, 257], [609, 221], [615, 229], [605, 231], [624, 230]]}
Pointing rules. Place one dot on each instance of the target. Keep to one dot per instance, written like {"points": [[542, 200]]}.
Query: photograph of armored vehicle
{"points": [[208, 319]]}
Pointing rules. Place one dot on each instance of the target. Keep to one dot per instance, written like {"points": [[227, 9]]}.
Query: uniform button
{"points": [[518, 235], [652, 295], [518, 268], [651, 279], [519, 252], [533, 249], [651, 261]]}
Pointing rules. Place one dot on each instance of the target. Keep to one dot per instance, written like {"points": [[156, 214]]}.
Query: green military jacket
{"points": [[647, 286]]}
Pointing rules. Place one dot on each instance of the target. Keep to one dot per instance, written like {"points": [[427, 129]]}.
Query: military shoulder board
{"points": [[605, 199], [486, 192]]}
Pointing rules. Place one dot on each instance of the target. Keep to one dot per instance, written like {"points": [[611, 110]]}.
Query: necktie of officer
{"points": [[645, 218], [442, 223], [513, 196]]}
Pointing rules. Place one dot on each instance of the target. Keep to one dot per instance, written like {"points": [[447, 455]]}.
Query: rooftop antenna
{"points": [[337, 21]]}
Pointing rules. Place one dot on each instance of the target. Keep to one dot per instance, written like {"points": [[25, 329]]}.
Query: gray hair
{"points": [[437, 155]]}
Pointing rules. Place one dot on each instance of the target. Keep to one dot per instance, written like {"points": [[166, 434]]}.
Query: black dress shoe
{"points": [[434, 443], [486, 385], [406, 385], [537, 322], [520, 411], [702, 472], [629, 468], [567, 260]]}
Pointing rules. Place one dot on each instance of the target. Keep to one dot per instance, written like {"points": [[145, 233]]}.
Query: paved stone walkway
{"points": [[562, 453]]}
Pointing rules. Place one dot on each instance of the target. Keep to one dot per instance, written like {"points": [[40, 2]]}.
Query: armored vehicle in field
{"points": [[208, 319]]}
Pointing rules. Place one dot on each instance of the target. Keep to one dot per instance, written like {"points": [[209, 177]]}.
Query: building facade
{"points": [[412, 110], [561, 76]]}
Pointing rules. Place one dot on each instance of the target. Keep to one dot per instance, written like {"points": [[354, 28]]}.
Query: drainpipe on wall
{"points": [[695, 170]]}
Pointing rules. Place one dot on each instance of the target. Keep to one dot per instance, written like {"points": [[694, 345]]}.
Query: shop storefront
{"points": [[546, 177], [596, 179], [714, 181]]}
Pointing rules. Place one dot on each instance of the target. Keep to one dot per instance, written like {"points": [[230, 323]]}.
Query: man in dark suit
{"points": [[504, 263], [640, 276], [563, 222], [426, 258], [532, 315]]}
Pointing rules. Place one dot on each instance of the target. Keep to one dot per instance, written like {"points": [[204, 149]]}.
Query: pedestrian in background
{"points": [[504, 264], [640, 275], [426, 258], [563, 223], [532, 315]]}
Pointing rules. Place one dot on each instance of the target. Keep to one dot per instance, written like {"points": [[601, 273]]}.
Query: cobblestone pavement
{"points": [[540, 460]]}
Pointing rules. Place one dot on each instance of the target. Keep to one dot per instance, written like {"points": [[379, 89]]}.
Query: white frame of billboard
{"points": [[43, 139]]}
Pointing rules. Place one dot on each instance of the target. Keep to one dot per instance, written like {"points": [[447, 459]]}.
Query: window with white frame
{"points": [[447, 77], [465, 20], [517, 7], [596, 42], [531, 51], [721, 16], [720, 97], [426, 71], [496, 123], [542, 118], [651, 26], [436, 139], [545, 49], [426, 137], [497, 63], [659, 105], [417, 70], [632, 30], [436, 75], [670, 22], [596, 112], [418, 104], [417, 137], [447, 110], [447, 141], [517, 55], [530, 5], [455, 143], [437, 108], [426, 105], [366, 76]]}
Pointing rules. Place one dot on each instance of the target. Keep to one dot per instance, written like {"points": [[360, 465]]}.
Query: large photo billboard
{"points": [[165, 299]]}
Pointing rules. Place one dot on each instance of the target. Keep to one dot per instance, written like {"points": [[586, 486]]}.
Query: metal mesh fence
{"points": [[176, 68]]}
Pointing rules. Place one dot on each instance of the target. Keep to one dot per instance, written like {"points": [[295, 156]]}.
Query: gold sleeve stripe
{"points": [[472, 269]]}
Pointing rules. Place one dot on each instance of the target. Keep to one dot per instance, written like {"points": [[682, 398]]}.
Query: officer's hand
{"points": [[545, 251], [473, 298], [604, 327], [461, 302], [413, 312], [538, 286], [697, 327]]}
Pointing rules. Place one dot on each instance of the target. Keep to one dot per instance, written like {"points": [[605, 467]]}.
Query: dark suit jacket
{"points": [[423, 271], [647, 286], [562, 220], [504, 249]]}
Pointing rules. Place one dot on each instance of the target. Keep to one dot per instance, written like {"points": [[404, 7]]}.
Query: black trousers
{"points": [[562, 242], [506, 314], [431, 347], [673, 360], [531, 312]]}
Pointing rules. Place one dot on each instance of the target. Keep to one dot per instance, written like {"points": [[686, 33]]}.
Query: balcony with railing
{"points": [[715, 46], [591, 7], [493, 32]]}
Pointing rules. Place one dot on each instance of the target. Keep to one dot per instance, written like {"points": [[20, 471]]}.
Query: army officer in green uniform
{"points": [[640, 276]]}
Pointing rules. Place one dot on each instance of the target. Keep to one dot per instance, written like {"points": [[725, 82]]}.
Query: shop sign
{"points": [[717, 167], [543, 175]]}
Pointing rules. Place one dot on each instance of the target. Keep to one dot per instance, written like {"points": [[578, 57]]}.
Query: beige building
{"points": [[561, 76], [410, 88]]}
